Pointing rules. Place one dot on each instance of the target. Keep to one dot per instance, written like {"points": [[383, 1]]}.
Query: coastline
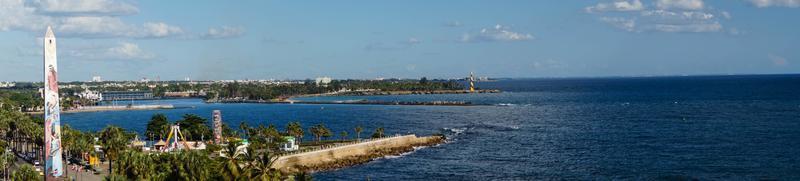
{"points": [[376, 93], [352, 154], [291, 100], [112, 108]]}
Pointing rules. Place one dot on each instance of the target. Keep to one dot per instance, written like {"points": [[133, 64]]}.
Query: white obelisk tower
{"points": [[52, 120]]}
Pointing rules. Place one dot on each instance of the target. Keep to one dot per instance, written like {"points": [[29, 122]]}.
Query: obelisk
{"points": [[52, 121]]}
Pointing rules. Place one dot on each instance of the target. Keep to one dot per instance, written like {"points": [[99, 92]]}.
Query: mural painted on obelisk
{"points": [[52, 111]]}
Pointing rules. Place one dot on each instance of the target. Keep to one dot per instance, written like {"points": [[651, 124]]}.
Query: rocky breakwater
{"points": [[352, 154], [374, 93]]}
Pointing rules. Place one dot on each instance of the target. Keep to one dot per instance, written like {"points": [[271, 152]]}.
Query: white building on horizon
{"points": [[323, 81], [97, 79], [7, 84]]}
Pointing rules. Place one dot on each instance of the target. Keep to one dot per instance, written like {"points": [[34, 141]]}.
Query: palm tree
{"points": [[359, 129], [260, 166], [25, 172], [343, 134], [113, 141], [378, 133], [134, 165], [6, 158], [197, 165], [315, 131], [295, 130], [67, 142], [320, 131], [302, 176], [244, 128], [230, 169]]}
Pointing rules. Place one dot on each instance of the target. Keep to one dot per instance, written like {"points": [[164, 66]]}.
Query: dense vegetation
{"points": [[23, 135], [256, 91]]}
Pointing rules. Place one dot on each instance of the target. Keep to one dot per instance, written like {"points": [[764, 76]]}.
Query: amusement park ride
{"points": [[175, 140]]}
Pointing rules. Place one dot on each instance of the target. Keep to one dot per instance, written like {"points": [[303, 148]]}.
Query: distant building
{"points": [[323, 81], [7, 84], [91, 95], [290, 144], [190, 93], [126, 95], [97, 79]]}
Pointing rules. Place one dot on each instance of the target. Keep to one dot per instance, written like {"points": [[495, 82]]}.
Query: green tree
{"points": [[158, 127], [113, 141], [245, 129], [25, 172], [6, 158], [260, 166], [358, 130], [229, 162], [320, 131], [194, 127], [296, 130], [378, 133], [302, 176], [135, 165], [343, 134]]}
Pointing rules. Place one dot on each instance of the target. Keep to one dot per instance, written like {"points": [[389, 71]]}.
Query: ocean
{"points": [[638, 128]]}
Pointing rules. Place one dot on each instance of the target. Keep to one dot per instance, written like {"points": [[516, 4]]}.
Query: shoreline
{"points": [[290, 100], [112, 108], [378, 93], [352, 154]]}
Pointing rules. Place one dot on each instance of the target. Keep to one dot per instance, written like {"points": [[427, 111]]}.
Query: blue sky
{"points": [[211, 40]]}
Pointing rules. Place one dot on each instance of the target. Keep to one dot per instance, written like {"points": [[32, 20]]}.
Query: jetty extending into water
{"points": [[343, 155]]}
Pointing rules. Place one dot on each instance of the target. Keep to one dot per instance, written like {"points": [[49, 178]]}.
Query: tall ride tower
{"points": [[52, 109]]}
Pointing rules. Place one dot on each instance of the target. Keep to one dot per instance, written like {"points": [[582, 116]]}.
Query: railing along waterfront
{"points": [[335, 145]]}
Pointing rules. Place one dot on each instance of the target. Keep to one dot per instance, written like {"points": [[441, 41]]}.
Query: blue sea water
{"points": [[704, 127]]}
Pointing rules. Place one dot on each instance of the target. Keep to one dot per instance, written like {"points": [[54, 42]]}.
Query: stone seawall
{"points": [[353, 154]]}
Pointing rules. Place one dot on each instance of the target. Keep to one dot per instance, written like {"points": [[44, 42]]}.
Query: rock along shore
{"points": [[353, 154]]}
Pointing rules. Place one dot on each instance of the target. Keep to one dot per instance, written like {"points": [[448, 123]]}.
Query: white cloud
{"points": [[158, 30], [670, 16], [667, 21], [120, 51], [104, 7], [413, 41], [454, 24], [129, 51], [726, 14], [685, 21], [777, 60], [14, 15], [626, 24], [680, 4], [109, 27], [775, 3], [73, 18], [224, 32], [496, 33], [624, 5]]}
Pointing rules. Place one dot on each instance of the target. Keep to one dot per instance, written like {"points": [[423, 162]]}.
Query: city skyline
{"points": [[127, 40]]}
